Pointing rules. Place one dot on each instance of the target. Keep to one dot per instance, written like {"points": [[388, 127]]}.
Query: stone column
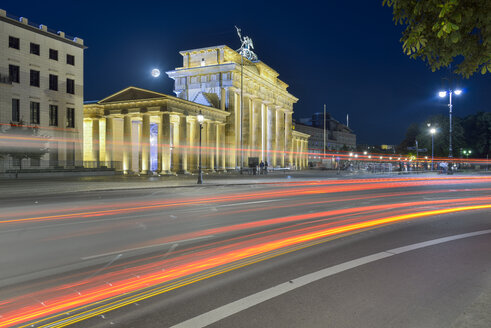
{"points": [[258, 125], [294, 153], [183, 145], [232, 130], [246, 130], [197, 131], [109, 142], [95, 142], [127, 146], [159, 146], [164, 143], [175, 145], [238, 130], [145, 144], [211, 145], [223, 98], [305, 153], [280, 121], [253, 132], [264, 132], [288, 138], [274, 133], [300, 153], [204, 146], [193, 150], [221, 147]]}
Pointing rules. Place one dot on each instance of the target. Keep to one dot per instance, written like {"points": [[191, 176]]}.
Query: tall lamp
{"points": [[201, 119]]}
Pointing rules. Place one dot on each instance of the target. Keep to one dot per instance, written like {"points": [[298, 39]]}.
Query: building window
{"points": [[53, 115], [53, 82], [35, 49], [14, 73], [70, 59], [14, 42], [70, 86], [53, 54], [70, 117], [34, 112], [15, 110], [16, 161], [34, 78]]}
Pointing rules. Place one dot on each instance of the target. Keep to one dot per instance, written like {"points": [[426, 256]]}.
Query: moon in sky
{"points": [[155, 72]]}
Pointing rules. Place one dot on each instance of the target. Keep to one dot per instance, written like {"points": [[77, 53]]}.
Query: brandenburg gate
{"points": [[142, 131]]}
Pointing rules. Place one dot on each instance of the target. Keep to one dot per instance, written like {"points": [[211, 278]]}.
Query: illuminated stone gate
{"points": [[214, 73], [142, 131]]}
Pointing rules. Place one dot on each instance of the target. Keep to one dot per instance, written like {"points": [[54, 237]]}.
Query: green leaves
{"points": [[439, 31], [455, 37]]}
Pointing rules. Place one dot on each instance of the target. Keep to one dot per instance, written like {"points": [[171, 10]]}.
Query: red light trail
{"points": [[308, 188], [36, 305]]}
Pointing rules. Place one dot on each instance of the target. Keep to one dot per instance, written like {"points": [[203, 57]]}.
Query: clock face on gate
{"points": [[155, 72]]}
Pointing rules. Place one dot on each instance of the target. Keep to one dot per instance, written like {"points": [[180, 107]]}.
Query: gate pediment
{"points": [[131, 93]]}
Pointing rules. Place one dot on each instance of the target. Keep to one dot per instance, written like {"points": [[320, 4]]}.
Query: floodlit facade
{"points": [[138, 130], [141, 131], [41, 85]]}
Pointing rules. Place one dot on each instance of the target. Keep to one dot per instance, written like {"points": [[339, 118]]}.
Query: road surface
{"points": [[338, 252]]}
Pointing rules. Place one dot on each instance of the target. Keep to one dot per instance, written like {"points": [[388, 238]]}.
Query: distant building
{"points": [[387, 147], [338, 135], [41, 84]]}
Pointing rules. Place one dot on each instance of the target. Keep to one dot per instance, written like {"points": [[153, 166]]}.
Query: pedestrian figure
{"points": [[261, 167], [266, 167]]}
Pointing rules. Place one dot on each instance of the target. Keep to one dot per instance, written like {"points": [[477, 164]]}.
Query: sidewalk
{"points": [[12, 188]]}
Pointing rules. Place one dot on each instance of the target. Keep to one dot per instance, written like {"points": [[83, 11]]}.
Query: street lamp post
{"points": [[201, 119], [432, 131], [443, 94]]}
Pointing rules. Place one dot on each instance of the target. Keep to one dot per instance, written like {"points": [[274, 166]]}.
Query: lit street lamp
{"points": [[443, 94], [467, 153], [201, 119], [432, 132]]}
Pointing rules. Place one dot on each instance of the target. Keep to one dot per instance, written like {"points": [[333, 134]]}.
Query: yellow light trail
{"points": [[57, 304]]}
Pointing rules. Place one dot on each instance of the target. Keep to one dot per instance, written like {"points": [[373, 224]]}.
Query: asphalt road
{"points": [[308, 253]]}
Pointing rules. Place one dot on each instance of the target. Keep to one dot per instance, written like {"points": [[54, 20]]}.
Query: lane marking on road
{"points": [[144, 247], [249, 203], [230, 309]]}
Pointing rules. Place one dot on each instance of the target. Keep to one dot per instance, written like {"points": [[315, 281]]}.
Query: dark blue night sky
{"points": [[343, 53]]}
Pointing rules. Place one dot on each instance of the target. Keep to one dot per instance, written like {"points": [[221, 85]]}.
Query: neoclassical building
{"points": [[142, 131], [41, 85]]}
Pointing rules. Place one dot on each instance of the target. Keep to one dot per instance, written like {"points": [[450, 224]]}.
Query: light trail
{"points": [[321, 188], [63, 298], [344, 199], [289, 204], [294, 218], [247, 196]]}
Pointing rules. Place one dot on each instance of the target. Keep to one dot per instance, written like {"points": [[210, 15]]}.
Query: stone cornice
{"points": [[298, 134], [153, 106]]}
